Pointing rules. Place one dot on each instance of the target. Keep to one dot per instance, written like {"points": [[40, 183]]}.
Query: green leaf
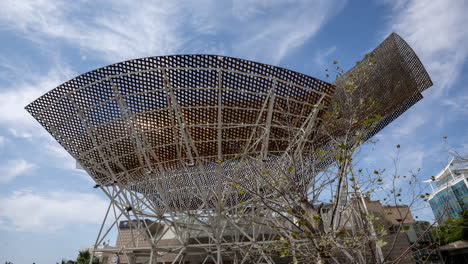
{"points": [[283, 253], [381, 243], [398, 146]]}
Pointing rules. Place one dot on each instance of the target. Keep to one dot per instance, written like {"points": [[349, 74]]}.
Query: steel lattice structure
{"points": [[160, 135]]}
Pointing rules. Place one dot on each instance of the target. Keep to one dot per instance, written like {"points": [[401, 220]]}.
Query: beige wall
{"points": [[398, 214], [392, 215], [125, 238], [397, 244], [388, 216]]}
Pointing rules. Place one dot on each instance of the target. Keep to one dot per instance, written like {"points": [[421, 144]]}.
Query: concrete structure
{"points": [[393, 218], [393, 215], [133, 247], [404, 232], [455, 252], [450, 196], [425, 249]]}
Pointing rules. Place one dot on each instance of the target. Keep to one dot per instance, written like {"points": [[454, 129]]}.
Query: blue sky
{"points": [[48, 210]]}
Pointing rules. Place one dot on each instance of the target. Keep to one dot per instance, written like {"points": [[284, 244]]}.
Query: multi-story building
{"points": [[133, 246], [450, 195]]}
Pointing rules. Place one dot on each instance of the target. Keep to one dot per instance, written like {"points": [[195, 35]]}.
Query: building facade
{"points": [[133, 247], [449, 196]]}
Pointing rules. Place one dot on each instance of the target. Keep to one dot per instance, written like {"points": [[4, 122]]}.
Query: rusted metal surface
{"points": [[392, 75]]}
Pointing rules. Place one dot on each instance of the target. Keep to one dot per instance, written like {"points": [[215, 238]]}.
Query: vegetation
{"points": [[296, 193], [67, 262], [308, 204], [82, 258], [453, 229]]}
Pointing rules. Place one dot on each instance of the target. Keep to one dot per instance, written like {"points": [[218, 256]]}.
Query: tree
{"points": [[84, 258], [291, 194], [453, 229], [297, 194]]}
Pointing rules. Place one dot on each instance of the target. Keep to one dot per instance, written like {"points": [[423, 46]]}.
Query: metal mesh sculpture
{"points": [[160, 135]]}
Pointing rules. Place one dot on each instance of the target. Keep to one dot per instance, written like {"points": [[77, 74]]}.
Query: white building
{"points": [[449, 196]]}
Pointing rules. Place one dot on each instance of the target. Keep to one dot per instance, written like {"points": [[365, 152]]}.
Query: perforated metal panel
{"points": [[159, 113], [392, 75], [174, 126]]}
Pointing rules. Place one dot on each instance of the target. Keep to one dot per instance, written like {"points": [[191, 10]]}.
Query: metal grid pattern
{"points": [[160, 136], [158, 114], [393, 76], [172, 117], [411, 68]]}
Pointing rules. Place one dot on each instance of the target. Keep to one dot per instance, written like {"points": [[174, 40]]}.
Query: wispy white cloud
{"points": [[413, 160], [29, 211], [23, 91], [322, 55], [121, 30], [437, 31], [409, 124], [265, 30], [58, 153], [3, 140], [63, 160], [25, 134], [14, 168], [259, 30], [458, 104], [274, 35]]}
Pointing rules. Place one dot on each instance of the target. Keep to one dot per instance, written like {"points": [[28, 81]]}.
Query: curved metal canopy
{"points": [[162, 115], [159, 113]]}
